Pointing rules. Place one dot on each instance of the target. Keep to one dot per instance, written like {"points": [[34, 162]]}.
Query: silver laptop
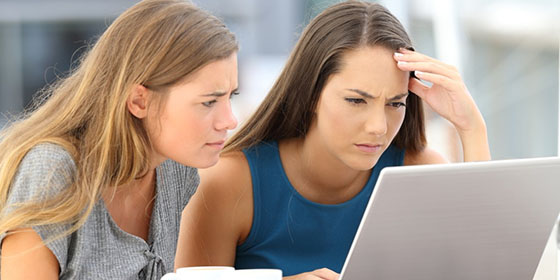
{"points": [[484, 220]]}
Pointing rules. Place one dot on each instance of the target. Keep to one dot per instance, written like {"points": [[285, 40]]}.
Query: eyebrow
{"points": [[219, 93], [367, 95]]}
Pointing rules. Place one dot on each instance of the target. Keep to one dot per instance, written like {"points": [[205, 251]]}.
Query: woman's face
{"points": [[192, 125], [361, 107]]}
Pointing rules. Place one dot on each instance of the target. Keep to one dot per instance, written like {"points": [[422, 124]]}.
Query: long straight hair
{"points": [[155, 43], [287, 110]]}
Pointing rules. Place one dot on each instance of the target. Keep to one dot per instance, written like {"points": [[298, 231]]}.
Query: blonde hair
{"points": [[155, 43]]}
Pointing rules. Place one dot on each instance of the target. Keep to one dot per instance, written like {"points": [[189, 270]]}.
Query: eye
{"points": [[397, 104], [355, 101], [233, 94], [209, 103]]}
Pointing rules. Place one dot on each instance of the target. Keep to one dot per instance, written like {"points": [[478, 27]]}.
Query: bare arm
{"points": [[475, 144], [218, 217], [24, 256]]}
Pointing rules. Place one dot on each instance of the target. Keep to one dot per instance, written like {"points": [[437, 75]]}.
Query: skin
{"points": [[190, 129], [358, 115]]}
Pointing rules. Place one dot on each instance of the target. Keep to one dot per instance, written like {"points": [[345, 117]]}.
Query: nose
{"points": [[226, 120], [376, 122]]}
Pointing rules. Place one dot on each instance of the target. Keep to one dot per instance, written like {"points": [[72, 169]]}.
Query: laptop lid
{"points": [[482, 220]]}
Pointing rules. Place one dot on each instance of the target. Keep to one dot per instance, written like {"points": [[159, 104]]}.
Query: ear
{"points": [[138, 100]]}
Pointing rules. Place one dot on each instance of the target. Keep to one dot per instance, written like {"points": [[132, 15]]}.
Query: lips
{"points": [[217, 144], [369, 148]]}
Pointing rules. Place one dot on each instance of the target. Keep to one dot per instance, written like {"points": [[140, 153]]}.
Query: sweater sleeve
{"points": [[45, 171]]}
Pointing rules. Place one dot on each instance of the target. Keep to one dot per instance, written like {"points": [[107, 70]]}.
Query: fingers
{"points": [[325, 273], [418, 88], [448, 95], [429, 67], [319, 274], [433, 70], [412, 56], [303, 276], [436, 79]]}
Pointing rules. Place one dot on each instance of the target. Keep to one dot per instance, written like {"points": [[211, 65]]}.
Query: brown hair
{"points": [[155, 43], [287, 110]]}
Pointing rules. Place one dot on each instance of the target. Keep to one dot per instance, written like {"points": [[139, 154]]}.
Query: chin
{"points": [[362, 164], [205, 163], [199, 161]]}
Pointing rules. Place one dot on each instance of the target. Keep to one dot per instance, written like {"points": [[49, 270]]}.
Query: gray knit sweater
{"points": [[100, 249]]}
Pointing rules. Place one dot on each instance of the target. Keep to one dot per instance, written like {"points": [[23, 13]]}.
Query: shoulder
{"points": [[225, 194], [231, 172], [425, 156], [219, 214], [44, 171], [226, 186], [47, 156]]}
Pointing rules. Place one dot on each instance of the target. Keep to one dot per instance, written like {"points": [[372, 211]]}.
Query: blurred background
{"points": [[506, 50]]}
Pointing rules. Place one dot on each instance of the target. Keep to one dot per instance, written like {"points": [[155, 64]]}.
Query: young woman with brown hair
{"points": [[292, 185]]}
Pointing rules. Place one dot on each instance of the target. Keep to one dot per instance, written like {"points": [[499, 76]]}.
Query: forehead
{"points": [[372, 69], [215, 73]]}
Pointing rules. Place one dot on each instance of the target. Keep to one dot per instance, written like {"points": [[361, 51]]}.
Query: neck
{"points": [[317, 174], [141, 188], [131, 205]]}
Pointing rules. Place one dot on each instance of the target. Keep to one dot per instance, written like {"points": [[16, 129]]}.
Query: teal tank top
{"points": [[292, 233]]}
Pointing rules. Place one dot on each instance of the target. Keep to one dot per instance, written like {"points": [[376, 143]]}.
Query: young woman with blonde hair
{"points": [[93, 180], [292, 184]]}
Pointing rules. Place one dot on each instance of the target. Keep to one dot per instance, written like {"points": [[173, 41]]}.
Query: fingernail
{"points": [[402, 62], [399, 54], [418, 73]]}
